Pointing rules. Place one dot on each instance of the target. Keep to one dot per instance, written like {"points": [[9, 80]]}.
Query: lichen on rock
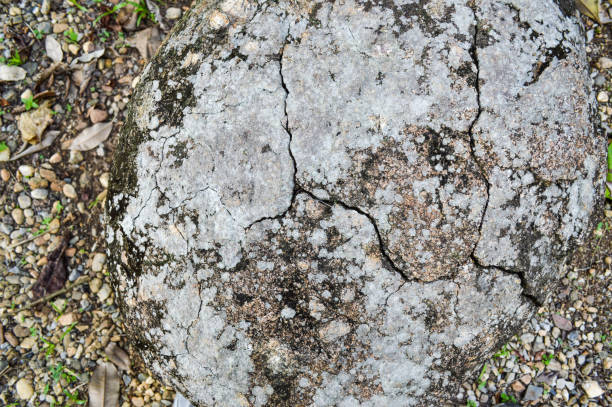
{"points": [[348, 203]]}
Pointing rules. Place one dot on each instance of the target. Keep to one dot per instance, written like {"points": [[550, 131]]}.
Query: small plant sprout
{"points": [[93, 203], [547, 357], [60, 311], [503, 353], [74, 396], [3, 146], [471, 403], [49, 347], [104, 35], [15, 60], [71, 35], [504, 398], [67, 330], [78, 5], [29, 102], [481, 381]]}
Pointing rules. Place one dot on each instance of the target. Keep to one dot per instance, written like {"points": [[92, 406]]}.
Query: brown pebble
{"points": [[97, 115], [5, 174], [55, 158], [518, 387], [47, 174], [608, 260], [10, 338]]}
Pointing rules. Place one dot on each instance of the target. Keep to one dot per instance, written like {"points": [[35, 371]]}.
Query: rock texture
{"points": [[349, 203]]}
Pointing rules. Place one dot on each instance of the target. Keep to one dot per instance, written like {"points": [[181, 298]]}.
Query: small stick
{"points": [[29, 239], [51, 296]]}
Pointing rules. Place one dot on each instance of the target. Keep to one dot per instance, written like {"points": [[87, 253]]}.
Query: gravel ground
{"points": [[53, 198]]}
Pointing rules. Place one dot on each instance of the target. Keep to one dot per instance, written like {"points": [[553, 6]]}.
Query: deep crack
{"points": [[474, 54]]}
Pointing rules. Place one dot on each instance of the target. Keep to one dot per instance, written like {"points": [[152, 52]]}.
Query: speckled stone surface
{"points": [[349, 203]]}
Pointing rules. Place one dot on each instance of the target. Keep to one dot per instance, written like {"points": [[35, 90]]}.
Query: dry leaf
{"points": [[33, 123], [118, 356], [46, 142], [104, 386], [90, 138], [88, 57], [589, 8], [54, 274], [154, 9], [145, 41], [53, 48]]}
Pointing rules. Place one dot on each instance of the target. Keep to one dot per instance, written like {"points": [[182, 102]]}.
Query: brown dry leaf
{"points": [[90, 138], [33, 123], [104, 386], [54, 274], [118, 356], [145, 41], [589, 8]]}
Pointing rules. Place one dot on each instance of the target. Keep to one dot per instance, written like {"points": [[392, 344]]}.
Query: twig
{"points": [[29, 239], [51, 296], [6, 369]]}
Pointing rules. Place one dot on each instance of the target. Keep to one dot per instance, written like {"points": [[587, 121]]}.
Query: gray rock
{"points": [[533, 393], [24, 201], [40, 193], [340, 203]]}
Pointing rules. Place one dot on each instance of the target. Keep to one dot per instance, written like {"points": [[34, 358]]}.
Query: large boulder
{"points": [[349, 203]]}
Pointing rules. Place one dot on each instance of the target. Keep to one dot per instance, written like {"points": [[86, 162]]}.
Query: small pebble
{"points": [[40, 193], [17, 215], [173, 13], [98, 261], [605, 63], [104, 292], [26, 170], [69, 191], [94, 285], [24, 388], [24, 201], [592, 389]]}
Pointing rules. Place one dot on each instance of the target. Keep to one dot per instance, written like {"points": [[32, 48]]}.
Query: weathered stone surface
{"points": [[348, 203]]}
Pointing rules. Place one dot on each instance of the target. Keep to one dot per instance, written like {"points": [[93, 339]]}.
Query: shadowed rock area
{"points": [[349, 203]]}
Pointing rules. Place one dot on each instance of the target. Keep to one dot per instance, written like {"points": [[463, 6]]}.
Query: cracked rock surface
{"points": [[349, 203]]}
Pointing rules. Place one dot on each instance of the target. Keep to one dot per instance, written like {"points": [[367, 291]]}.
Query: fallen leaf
{"points": [[589, 8], [54, 274], [90, 138], [118, 356], [156, 13], [53, 48], [104, 386], [88, 57], [46, 142], [33, 123], [10, 73], [145, 41]]}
